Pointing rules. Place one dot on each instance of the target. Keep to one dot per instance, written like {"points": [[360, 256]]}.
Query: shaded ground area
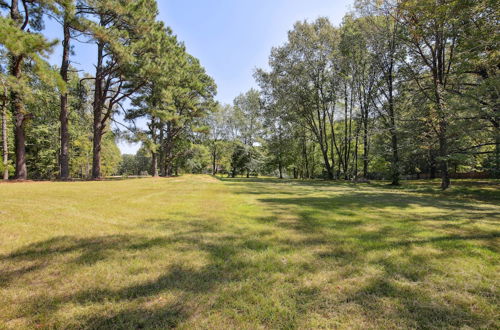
{"points": [[196, 252]]}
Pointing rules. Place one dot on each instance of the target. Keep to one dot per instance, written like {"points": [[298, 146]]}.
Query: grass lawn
{"points": [[200, 252]]}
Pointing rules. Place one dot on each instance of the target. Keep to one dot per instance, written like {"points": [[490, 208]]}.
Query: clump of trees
{"points": [[400, 89], [141, 71]]}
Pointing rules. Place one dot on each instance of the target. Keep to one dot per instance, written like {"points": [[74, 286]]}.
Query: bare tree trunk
{"points": [[393, 132], [497, 151], [154, 154], [365, 146], [169, 166], [19, 121], [214, 159], [395, 160], [306, 158], [443, 140], [443, 151], [96, 154], [432, 165], [5, 145], [154, 164], [328, 167], [63, 116], [163, 171], [346, 139], [97, 109], [356, 156]]}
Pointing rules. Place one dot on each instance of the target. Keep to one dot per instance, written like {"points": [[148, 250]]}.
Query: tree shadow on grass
{"points": [[387, 220], [72, 252], [483, 191], [376, 203], [224, 264], [84, 251], [164, 317], [416, 308], [243, 267]]}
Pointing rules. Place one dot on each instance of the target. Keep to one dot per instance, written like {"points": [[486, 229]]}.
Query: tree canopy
{"points": [[400, 89]]}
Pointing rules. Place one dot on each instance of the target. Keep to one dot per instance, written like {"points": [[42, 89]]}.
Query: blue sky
{"points": [[230, 37]]}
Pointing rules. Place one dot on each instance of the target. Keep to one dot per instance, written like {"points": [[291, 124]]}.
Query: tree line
{"points": [[59, 123], [400, 89]]}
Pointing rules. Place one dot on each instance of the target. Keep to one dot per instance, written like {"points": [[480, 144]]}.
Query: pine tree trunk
{"points": [[19, 121], [154, 164], [18, 107], [63, 116], [96, 151], [97, 109], [162, 150]]}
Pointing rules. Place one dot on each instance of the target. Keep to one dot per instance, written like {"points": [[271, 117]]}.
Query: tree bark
{"points": [[365, 147], [63, 116], [395, 160], [154, 164], [18, 107], [496, 132], [5, 143], [443, 152], [214, 159], [442, 135], [19, 121], [393, 131], [97, 109], [432, 165], [163, 171]]}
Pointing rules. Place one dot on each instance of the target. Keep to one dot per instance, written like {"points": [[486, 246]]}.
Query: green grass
{"points": [[200, 252]]}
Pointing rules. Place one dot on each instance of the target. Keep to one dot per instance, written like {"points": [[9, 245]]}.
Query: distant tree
{"points": [[303, 75], [240, 159], [218, 122]]}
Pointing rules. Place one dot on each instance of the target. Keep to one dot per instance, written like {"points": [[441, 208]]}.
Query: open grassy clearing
{"points": [[200, 252]]}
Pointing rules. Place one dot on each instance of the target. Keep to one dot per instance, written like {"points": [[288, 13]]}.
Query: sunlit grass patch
{"points": [[202, 252]]}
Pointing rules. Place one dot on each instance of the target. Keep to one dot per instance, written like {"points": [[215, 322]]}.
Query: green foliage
{"points": [[197, 159], [364, 98]]}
